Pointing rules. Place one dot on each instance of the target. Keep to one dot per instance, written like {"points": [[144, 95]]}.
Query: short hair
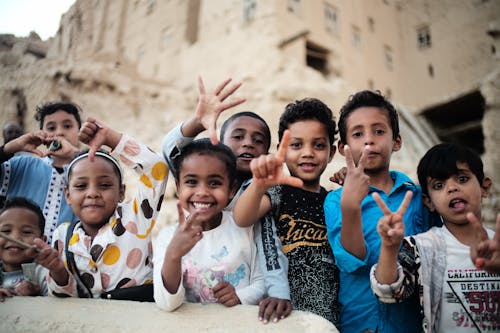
{"points": [[20, 202], [440, 162], [99, 153], [308, 109], [368, 98], [205, 147], [52, 107], [225, 125]]}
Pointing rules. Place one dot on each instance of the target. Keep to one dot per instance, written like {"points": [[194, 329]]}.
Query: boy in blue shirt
{"points": [[369, 134]]}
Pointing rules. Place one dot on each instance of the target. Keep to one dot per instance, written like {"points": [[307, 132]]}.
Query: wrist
{"points": [[192, 127]]}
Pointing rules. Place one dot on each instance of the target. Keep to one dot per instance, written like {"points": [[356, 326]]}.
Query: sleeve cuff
{"points": [[387, 293]]}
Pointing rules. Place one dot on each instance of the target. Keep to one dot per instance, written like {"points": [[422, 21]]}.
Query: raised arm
{"points": [[267, 171], [28, 142], [391, 230], [356, 186]]}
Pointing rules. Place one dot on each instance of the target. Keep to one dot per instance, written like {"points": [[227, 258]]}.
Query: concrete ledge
{"points": [[49, 314]]}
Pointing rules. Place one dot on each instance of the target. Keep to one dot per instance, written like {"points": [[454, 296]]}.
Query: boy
{"points": [[248, 136], [42, 180], [435, 265], [369, 134], [206, 258], [22, 220], [306, 133]]}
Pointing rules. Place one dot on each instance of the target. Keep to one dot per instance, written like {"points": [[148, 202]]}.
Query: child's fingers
{"points": [[285, 142], [293, 181], [404, 205], [221, 86], [479, 232], [229, 92], [212, 132], [233, 103], [361, 162], [348, 158], [270, 165], [381, 203], [180, 212], [201, 86]]}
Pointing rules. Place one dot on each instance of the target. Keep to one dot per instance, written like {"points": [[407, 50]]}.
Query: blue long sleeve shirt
{"points": [[360, 309]]}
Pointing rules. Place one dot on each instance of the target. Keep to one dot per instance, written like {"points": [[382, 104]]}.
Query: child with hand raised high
{"points": [[248, 136], [206, 257], [111, 243]]}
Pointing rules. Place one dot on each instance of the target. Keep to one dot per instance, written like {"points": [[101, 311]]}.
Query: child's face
{"points": [[94, 191], [370, 127], [204, 187], [62, 123], [454, 197], [246, 136], [309, 152], [22, 224]]}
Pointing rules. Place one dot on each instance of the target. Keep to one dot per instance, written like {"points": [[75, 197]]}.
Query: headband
{"points": [[97, 153]]}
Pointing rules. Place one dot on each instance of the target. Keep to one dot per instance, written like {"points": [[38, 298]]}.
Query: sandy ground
{"points": [[48, 314]]}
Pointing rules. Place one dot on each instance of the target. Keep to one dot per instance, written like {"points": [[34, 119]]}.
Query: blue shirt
{"points": [[360, 309]]}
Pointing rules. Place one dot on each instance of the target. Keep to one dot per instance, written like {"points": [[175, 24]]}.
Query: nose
{"points": [[307, 151], [247, 141], [368, 139], [451, 186], [92, 192]]}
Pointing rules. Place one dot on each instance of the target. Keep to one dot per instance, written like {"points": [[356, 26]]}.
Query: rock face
{"points": [[53, 315], [134, 64]]}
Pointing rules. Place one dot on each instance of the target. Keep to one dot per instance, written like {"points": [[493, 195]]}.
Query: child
{"points": [[111, 243], [22, 220], [306, 133], [42, 180], [206, 258], [456, 296], [248, 136], [369, 134]]}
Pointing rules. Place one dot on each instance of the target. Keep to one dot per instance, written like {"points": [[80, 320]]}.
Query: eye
{"points": [[79, 186], [190, 182], [295, 145], [5, 230], [379, 132], [69, 126], [463, 179], [357, 134], [437, 186], [106, 185], [320, 146], [214, 183], [237, 137], [50, 128], [258, 141], [28, 232]]}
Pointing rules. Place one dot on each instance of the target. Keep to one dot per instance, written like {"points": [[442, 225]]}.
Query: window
{"points": [[249, 8], [388, 58], [331, 19], [317, 57], [294, 6], [356, 37], [424, 37], [371, 24]]}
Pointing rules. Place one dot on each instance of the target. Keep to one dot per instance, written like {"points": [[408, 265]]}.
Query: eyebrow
{"points": [[194, 175]]}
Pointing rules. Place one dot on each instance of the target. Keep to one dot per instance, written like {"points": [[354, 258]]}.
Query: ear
{"points": [[333, 149], [66, 195], [341, 148], [398, 143], [485, 187], [428, 202], [122, 192]]}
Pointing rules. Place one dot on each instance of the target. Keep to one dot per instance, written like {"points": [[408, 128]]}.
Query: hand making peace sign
{"points": [[485, 253], [357, 182], [188, 233], [267, 170], [390, 226]]}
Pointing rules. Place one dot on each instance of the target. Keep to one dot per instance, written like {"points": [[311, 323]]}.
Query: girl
{"points": [[206, 258], [111, 243]]}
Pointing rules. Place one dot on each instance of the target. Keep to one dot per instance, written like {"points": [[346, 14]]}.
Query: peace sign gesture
{"points": [[211, 105], [188, 233], [485, 253], [357, 182], [267, 170], [390, 226]]}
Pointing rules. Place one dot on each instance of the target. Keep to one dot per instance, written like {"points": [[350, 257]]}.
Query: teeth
{"points": [[201, 205], [247, 155]]}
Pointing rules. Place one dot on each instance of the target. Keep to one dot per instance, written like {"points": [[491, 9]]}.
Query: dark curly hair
{"points": [[307, 109], [20, 202], [52, 107]]}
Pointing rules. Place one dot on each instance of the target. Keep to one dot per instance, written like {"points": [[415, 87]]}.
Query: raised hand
{"points": [[267, 170], [29, 142], [339, 176], [66, 151], [210, 105], [225, 294], [269, 305], [94, 134], [49, 258], [188, 233], [390, 226], [357, 182], [485, 253]]}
